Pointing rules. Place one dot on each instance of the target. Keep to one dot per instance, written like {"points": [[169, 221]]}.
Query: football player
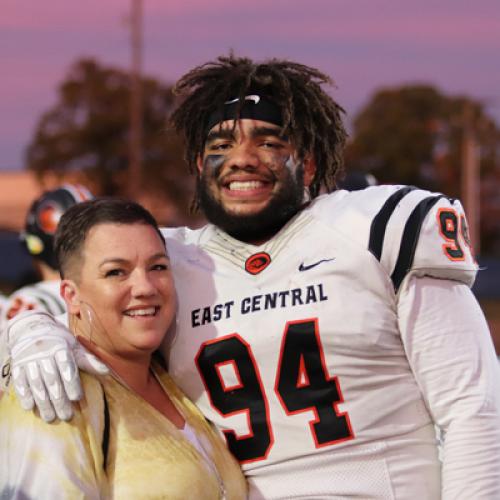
{"points": [[324, 335], [40, 226]]}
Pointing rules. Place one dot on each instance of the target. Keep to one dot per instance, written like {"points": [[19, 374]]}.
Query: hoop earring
{"points": [[306, 197]]}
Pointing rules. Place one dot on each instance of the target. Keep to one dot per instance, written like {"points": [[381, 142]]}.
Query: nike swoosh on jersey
{"points": [[303, 267]]}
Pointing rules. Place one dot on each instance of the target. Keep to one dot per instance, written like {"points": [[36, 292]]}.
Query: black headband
{"points": [[255, 107]]}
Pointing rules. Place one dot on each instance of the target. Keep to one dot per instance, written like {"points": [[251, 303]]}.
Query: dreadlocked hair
{"points": [[311, 118]]}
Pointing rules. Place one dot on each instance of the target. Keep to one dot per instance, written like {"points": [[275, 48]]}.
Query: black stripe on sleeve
{"points": [[52, 304], [44, 303], [59, 304], [410, 237], [379, 223]]}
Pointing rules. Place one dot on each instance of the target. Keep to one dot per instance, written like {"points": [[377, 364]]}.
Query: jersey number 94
{"points": [[302, 384]]}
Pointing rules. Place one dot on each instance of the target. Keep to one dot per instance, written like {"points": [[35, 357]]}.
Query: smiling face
{"points": [[124, 293], [251, 179]]}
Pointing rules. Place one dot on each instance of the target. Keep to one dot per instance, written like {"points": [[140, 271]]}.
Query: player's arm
{"points": [[44, 357], [421, 240], [446, 338], [450, 351]]}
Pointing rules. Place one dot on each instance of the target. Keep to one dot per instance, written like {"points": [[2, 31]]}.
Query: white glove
{"points": [[43, 355]]}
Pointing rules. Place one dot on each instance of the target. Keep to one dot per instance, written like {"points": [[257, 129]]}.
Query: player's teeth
{"points": [[244, 185], [141, 312]]}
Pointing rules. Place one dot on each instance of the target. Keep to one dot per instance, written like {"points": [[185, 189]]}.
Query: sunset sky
{"points": [[362, 44]]}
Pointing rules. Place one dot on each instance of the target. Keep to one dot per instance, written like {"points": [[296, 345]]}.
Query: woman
{"points": [[135, 435]]}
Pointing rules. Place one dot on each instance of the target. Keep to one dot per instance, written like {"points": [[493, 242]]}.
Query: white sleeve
{"points": [[451, 353], [43, 296]]}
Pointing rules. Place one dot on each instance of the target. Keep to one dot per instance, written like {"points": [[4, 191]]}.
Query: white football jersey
{"points": [[293, 349], [42, 296]]}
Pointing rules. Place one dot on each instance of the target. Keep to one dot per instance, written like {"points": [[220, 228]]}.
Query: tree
{"points": [[87, 131], [414, 135]]}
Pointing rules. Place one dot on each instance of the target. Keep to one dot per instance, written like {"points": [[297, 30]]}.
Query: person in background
{"points": [[135, 434], [324, 335], [38, 239]]}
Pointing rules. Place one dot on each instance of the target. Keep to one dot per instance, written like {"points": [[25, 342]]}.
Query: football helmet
{"points": [[43, 217]]}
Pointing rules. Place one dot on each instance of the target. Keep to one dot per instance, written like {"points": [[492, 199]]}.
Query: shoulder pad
{"points": [[408, 230], [184, 235], [184, 243], [355, 207], [423, 233]]}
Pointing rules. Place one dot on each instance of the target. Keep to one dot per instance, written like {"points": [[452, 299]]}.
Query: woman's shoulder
{"points": [[93, 390], [29, 423]]}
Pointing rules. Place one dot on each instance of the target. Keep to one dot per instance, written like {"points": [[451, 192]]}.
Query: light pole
{"points": [[470, 177], [136, 108]]}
